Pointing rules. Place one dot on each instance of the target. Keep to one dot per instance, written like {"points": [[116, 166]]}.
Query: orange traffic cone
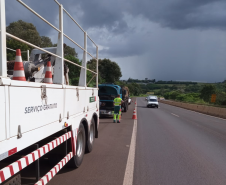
{"points": [[134, 114], [18, 72], [48, 76], [120, 113]]}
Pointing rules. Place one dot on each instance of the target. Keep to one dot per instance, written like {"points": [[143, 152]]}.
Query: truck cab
{"points": [[107, 93]]}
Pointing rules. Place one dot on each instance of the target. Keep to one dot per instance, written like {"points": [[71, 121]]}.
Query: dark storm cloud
{"points": [[47, 9], [100, 13], [177, 14], [171, 39]]}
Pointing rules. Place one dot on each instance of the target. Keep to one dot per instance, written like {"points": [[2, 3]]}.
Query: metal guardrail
{"points": [[3, 34]]}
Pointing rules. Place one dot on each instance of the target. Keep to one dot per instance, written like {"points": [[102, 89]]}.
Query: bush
{"points": [[206, 92], [181, 97], [173, 95]]}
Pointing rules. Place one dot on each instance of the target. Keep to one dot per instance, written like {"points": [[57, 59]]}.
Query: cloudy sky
{"points": [[156, 39]]}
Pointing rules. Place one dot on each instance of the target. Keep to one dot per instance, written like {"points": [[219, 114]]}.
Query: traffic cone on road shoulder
{"points": [[18, 72], [134, 114], [120, 114], [48, 75]]}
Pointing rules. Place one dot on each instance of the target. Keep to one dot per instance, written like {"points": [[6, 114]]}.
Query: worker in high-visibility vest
{"points": [[117, 108]]}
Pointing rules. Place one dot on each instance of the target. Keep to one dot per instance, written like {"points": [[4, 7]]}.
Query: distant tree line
{"points": [[174, 82], [130, 80]]}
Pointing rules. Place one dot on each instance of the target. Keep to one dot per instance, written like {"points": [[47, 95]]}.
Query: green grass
{"points": [[201, 103]]}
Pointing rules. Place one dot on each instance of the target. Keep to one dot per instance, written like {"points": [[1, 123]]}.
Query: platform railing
{"points": [[58, 71]]}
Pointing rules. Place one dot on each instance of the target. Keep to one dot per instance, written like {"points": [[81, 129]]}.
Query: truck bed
{"points": [[22, 104]]}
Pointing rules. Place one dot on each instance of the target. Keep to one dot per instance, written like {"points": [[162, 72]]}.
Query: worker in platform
{"points": [[117, 108]]}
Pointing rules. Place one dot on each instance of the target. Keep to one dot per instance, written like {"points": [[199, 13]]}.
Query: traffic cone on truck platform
{"points": [[18, 72], [134, 114], [48, 75]]}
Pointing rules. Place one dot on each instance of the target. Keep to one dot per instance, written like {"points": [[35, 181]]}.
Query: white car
{"points": [[152, 101], [129, 101]]}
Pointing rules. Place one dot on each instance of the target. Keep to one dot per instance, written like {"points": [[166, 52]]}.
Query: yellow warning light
{"points": [[65, 124]]}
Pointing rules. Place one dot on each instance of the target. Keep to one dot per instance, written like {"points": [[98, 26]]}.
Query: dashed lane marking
{"points": [[175, 115]]}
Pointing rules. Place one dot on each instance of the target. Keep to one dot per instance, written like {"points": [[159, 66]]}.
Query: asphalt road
{"points": [[174, 146], [179, 147], [105, 165]]}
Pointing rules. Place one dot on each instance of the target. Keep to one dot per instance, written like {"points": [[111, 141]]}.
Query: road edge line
{"points": [[128, 177]]}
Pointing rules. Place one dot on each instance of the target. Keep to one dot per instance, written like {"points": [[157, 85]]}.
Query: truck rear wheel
{"points": [[91, 137], [125, 107], [76, 160]]}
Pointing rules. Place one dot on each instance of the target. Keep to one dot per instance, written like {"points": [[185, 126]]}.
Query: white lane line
{"points": [[175, 115], [128, 178]]}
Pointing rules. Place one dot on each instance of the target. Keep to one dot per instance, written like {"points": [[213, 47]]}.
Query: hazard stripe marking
{"points": [[39, 154], [27, 162], [2, 178], [11, 170], [33, 156], [44, 151], [48, 147], [17, 166], [51, 174], [45, 179]]}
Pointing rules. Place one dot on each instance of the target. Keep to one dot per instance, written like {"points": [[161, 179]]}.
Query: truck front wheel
{"points": [[76, 160]]}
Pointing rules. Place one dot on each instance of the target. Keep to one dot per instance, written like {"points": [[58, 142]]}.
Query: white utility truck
{"points": [[57, 121]]}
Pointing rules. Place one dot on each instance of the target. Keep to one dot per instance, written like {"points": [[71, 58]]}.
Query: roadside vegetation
{"points": [[190, 92]]}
